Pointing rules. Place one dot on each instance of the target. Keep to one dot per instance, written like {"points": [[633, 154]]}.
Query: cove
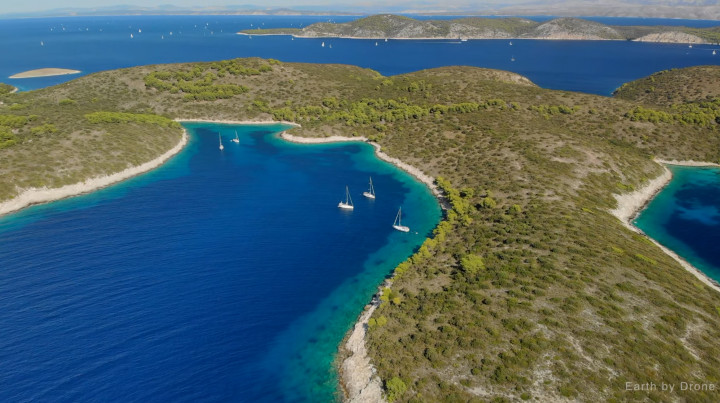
{"points": [[685, 217], [220, 276]]}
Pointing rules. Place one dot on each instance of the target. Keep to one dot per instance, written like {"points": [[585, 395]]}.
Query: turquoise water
{"points": [[220, 276], [685, 217]]}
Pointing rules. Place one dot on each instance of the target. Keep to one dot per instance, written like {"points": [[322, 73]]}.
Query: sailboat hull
{"points": [[401, 228], [369, 195], [345, 206]]}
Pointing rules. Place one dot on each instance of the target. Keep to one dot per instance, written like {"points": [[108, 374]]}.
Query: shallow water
{"points": [[685, 217]]}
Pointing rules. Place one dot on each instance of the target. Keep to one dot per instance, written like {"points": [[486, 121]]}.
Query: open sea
{"points": [[91, 44], [233, 276]]}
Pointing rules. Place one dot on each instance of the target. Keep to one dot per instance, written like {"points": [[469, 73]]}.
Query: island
{"points": [[44, 72], [529, 288], [389, 26]]}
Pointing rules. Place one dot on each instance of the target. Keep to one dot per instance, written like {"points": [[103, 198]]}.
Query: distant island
{"points": [[44, 72], [400, 27]]}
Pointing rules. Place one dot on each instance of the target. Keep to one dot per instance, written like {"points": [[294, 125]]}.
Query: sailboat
{"points": [[348, 204], [714, 53], [370, 194], [398, 222], [510, 43], [221, 146], [322, 44], [131, 36], [236, 139]]}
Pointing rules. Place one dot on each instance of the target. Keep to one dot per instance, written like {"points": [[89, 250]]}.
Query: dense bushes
{"points": [[120, 117], [703, 114]]}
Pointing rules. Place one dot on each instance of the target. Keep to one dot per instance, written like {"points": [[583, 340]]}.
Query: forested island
{"points": [[529, 288], [400, 27]]}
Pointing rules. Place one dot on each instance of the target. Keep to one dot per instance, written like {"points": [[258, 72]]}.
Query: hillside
{"points": [[528, 289], [395, 26]]}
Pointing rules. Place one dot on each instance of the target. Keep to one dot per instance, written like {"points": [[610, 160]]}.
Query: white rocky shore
{"points": [[32, 196], [629, 205]]}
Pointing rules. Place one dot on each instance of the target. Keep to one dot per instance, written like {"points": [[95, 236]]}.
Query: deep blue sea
{"points": [[220, 276], [685, 217], [92, 44], [233, 276]]}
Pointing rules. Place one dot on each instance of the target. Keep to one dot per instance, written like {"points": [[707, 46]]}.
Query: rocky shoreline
{"points": [[34, 196], [633, 203]]}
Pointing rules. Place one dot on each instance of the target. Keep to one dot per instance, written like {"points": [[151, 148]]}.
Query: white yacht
{"points": [[398, 222], [347, 204], [221, 146], [370, 194], [236, 139]]}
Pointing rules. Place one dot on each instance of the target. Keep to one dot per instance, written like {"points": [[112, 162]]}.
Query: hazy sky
{"points": [[21, 6], [12, 6]]}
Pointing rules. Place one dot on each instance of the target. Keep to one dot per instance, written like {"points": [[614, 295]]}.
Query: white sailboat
{"points": [[236, 139], [322, 44], [398, 222], [221, 146], [347, 204], [370, 194]]}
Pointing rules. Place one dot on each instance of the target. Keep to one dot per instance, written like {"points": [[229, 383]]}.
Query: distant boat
{"points": [[463, 39], [714, 52], [512, 58], [236, 139], [139, 31], [385, 39], [398, 222], [43, 44], [348, 204], [370, 194], [330, 46], [510, 43], [322, 44], [690, 46], [162, 36], [221, 146], [375, 43], [131, 36]]}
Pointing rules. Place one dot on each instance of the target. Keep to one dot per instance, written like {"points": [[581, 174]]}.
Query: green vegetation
{"points": [[6, 88], [119, 117], [529, 289]]}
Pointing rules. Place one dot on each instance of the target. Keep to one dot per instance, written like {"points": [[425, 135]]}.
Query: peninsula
{"points": [[44, 72], [528, 289], [400, 27]]}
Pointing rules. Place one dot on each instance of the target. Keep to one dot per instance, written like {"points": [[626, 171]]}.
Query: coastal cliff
{"points": [[401, 27]]}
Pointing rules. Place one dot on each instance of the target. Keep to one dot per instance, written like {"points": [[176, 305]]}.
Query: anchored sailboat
{"points": [[398, 222], [221, 146], [236, 139], [370, 194], [348, 204]]}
